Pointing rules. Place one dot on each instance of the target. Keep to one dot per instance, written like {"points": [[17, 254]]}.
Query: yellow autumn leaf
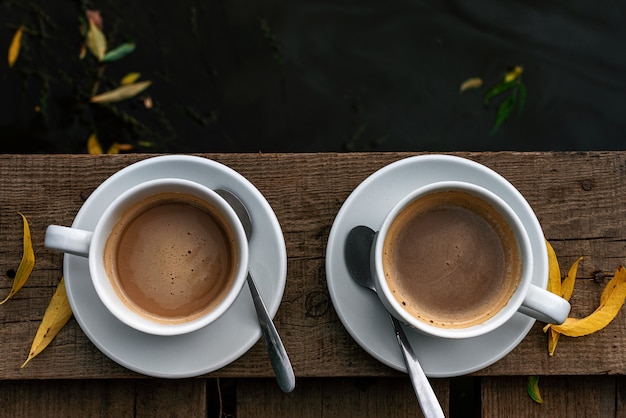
{"points": [[96, 40], [513, 74], [532, 387], [610, 288], [471, 83], [116, 147], [554, 271], [554, 286], [125, 147], [563, 289], [16, 45], [121, 93], [611, 302], [56, 316], [553, 340], [567, 286], [26, 265], [130, 78], [93, 145]]}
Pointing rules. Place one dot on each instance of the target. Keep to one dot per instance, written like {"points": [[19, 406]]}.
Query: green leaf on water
{"points": [[512, 85], [499, 89], [119, 52], [504, 111]]}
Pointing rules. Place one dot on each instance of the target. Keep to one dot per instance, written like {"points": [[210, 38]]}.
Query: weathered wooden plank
{"points": [[563, 397], [103, 398], [620, 404], [182, 398], [578, 198], [345, 397]]}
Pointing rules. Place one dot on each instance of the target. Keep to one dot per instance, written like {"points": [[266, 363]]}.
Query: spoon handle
{"points": [[275, 348], [424, 391]]}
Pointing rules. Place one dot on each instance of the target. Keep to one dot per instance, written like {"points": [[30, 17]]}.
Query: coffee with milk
{"points": [[451, 259], [171, 257]]}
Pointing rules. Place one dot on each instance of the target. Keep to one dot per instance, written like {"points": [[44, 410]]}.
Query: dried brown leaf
{"points": [[471, 83], [124, 92]]}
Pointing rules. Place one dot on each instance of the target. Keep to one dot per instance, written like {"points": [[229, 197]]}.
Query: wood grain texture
{"points": [[578, 198], [103, 398], [338, 397], [563, 397]]}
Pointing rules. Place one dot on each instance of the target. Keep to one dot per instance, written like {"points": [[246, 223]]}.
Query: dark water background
{"points": [[318, 75]]}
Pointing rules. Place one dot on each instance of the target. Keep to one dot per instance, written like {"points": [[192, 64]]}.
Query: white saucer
{"points": [[207, 349], [360, 310]]}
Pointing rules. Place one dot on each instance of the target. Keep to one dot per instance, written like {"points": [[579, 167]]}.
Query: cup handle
{"points": [[545, 306], [68, 240]]}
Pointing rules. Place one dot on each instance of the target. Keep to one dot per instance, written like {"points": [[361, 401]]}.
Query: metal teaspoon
{"points": [[357, 255], [275, 348]]}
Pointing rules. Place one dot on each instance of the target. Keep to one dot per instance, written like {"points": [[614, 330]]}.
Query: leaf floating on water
{"points": [[116, 147], [532, 387], [26, 265], [504, 111], [611, 302], [511, 83], [96, 17], [93, 145], [56, 316], [96, 41], [471, 83], [513, 74], [16, 45], [124, 147], [121, 93], [130, 78], [499, 89], [119, 52]]}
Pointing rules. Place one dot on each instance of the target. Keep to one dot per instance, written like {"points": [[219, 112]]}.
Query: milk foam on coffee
{"points": [[451, 260], [171, 257]]}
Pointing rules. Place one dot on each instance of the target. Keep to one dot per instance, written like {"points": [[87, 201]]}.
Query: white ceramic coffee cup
{"points": [[91, 244], [527, 298]]}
